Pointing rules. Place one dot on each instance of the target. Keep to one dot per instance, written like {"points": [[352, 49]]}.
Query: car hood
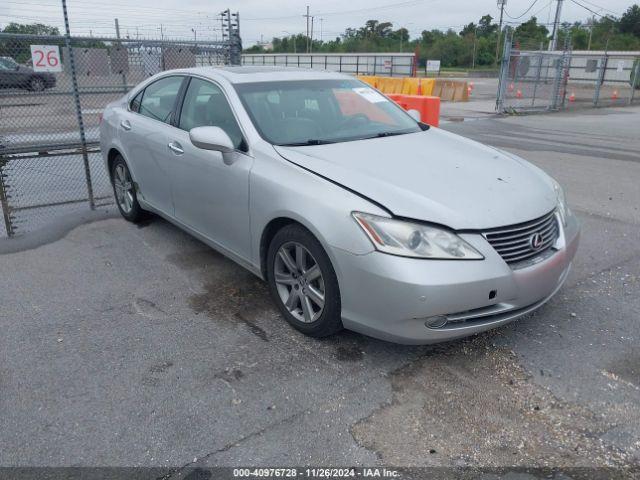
{"points": [[434, 176]]}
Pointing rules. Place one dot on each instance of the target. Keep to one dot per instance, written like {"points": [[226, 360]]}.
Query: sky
{"points": [[262, 20]]}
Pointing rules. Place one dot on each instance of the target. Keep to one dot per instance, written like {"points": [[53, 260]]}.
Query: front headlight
{"points": [[409, 239], [563, 209]]}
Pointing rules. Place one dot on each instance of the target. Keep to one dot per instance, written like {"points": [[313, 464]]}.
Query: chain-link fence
{"points": [[52, 92], [537, 80]]}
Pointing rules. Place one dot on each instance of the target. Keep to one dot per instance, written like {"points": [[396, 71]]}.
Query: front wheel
{"points": [[303, 282], [125, 192], [36, 84]]}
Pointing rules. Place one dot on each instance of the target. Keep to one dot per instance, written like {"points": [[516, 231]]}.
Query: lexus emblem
{"points": [[535, 241]]}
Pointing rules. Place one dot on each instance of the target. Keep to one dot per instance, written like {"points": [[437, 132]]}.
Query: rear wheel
{"points": [[303, 282], [125, 192], [36, 84]]}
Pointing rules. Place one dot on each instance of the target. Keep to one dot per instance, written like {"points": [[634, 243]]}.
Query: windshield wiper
{"points": [[311, 141], [391, 134], [386, 134]]}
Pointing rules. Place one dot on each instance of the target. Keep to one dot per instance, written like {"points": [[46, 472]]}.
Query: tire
{"points": [[36, 84], [124, 191], [306, 286]]}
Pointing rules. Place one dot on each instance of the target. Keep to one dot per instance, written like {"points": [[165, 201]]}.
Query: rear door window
{"points": [[159, 99]]}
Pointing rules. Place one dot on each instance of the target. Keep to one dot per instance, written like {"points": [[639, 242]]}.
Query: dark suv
{"points": [[13, 75]]}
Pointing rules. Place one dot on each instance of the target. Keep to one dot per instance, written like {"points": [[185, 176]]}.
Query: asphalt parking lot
{"points": [[130, 345]]}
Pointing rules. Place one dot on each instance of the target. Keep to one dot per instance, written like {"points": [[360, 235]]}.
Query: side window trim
{"points": [[141, 94], [244, 142], [182, 94]]}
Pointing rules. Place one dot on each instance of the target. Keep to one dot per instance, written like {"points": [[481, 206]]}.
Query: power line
{"points": [[525, 12], [601, 7], [587, 8], [342, 12]]}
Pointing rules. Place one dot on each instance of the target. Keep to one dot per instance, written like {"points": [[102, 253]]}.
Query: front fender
{"points": [[281, 189]]}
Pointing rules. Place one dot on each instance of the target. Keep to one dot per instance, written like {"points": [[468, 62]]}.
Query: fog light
{"points": [[436, 322]]}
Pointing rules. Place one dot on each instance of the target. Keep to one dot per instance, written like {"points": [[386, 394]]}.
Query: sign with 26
{"points": [[46, 58]]}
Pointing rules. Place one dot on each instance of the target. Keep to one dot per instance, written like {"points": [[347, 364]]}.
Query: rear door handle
{"points": [[125, 124], [176, 148]]}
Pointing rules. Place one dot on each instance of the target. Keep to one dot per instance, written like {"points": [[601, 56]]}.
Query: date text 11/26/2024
{"points": [[315, 473]]}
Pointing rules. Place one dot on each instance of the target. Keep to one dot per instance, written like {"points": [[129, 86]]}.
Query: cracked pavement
{"points": [[139, 346]]}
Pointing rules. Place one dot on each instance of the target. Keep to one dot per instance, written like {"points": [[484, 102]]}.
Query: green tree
{"points": [[31, 29], [530, 35], [20, 50], [486, 27], [630, 21], [469, 29]]}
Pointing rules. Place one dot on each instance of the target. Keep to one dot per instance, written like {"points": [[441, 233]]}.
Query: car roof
{"points": [[251, 74]]}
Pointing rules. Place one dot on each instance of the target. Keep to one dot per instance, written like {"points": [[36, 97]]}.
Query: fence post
{"points": [[124, 75], [76, 97], [601, 74], [4, 203], [560, 81], [565, 68], [537, 81], [635, 79], [504, 73]]}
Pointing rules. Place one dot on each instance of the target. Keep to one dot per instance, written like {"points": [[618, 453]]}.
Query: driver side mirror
{"points": [[211, 138]]}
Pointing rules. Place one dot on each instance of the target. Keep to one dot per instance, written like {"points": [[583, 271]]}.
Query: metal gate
{"points": [[538, 80], [50, 163]]}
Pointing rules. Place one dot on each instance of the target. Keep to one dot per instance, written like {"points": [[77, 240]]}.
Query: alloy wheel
{"points": [[37, 85], [123, 187], [299, 282]]}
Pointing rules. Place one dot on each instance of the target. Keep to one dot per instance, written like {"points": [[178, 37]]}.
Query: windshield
{"points": [[313, 112], [8, 62]]}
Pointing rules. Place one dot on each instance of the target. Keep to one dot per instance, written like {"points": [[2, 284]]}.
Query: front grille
{"points": [[514, 243]]}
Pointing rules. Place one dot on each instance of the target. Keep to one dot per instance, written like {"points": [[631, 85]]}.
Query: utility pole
{"points": [[556, 26], [311, 42], [501, 4], [117, 29], [475, 48], [321, 20], [591, 22], [307, 16]]}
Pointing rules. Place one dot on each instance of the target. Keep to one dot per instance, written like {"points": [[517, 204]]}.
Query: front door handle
{"points": [[176, 148], [125, 124]]}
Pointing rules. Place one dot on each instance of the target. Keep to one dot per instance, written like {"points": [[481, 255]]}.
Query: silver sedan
{"points": [[356, 214]]}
